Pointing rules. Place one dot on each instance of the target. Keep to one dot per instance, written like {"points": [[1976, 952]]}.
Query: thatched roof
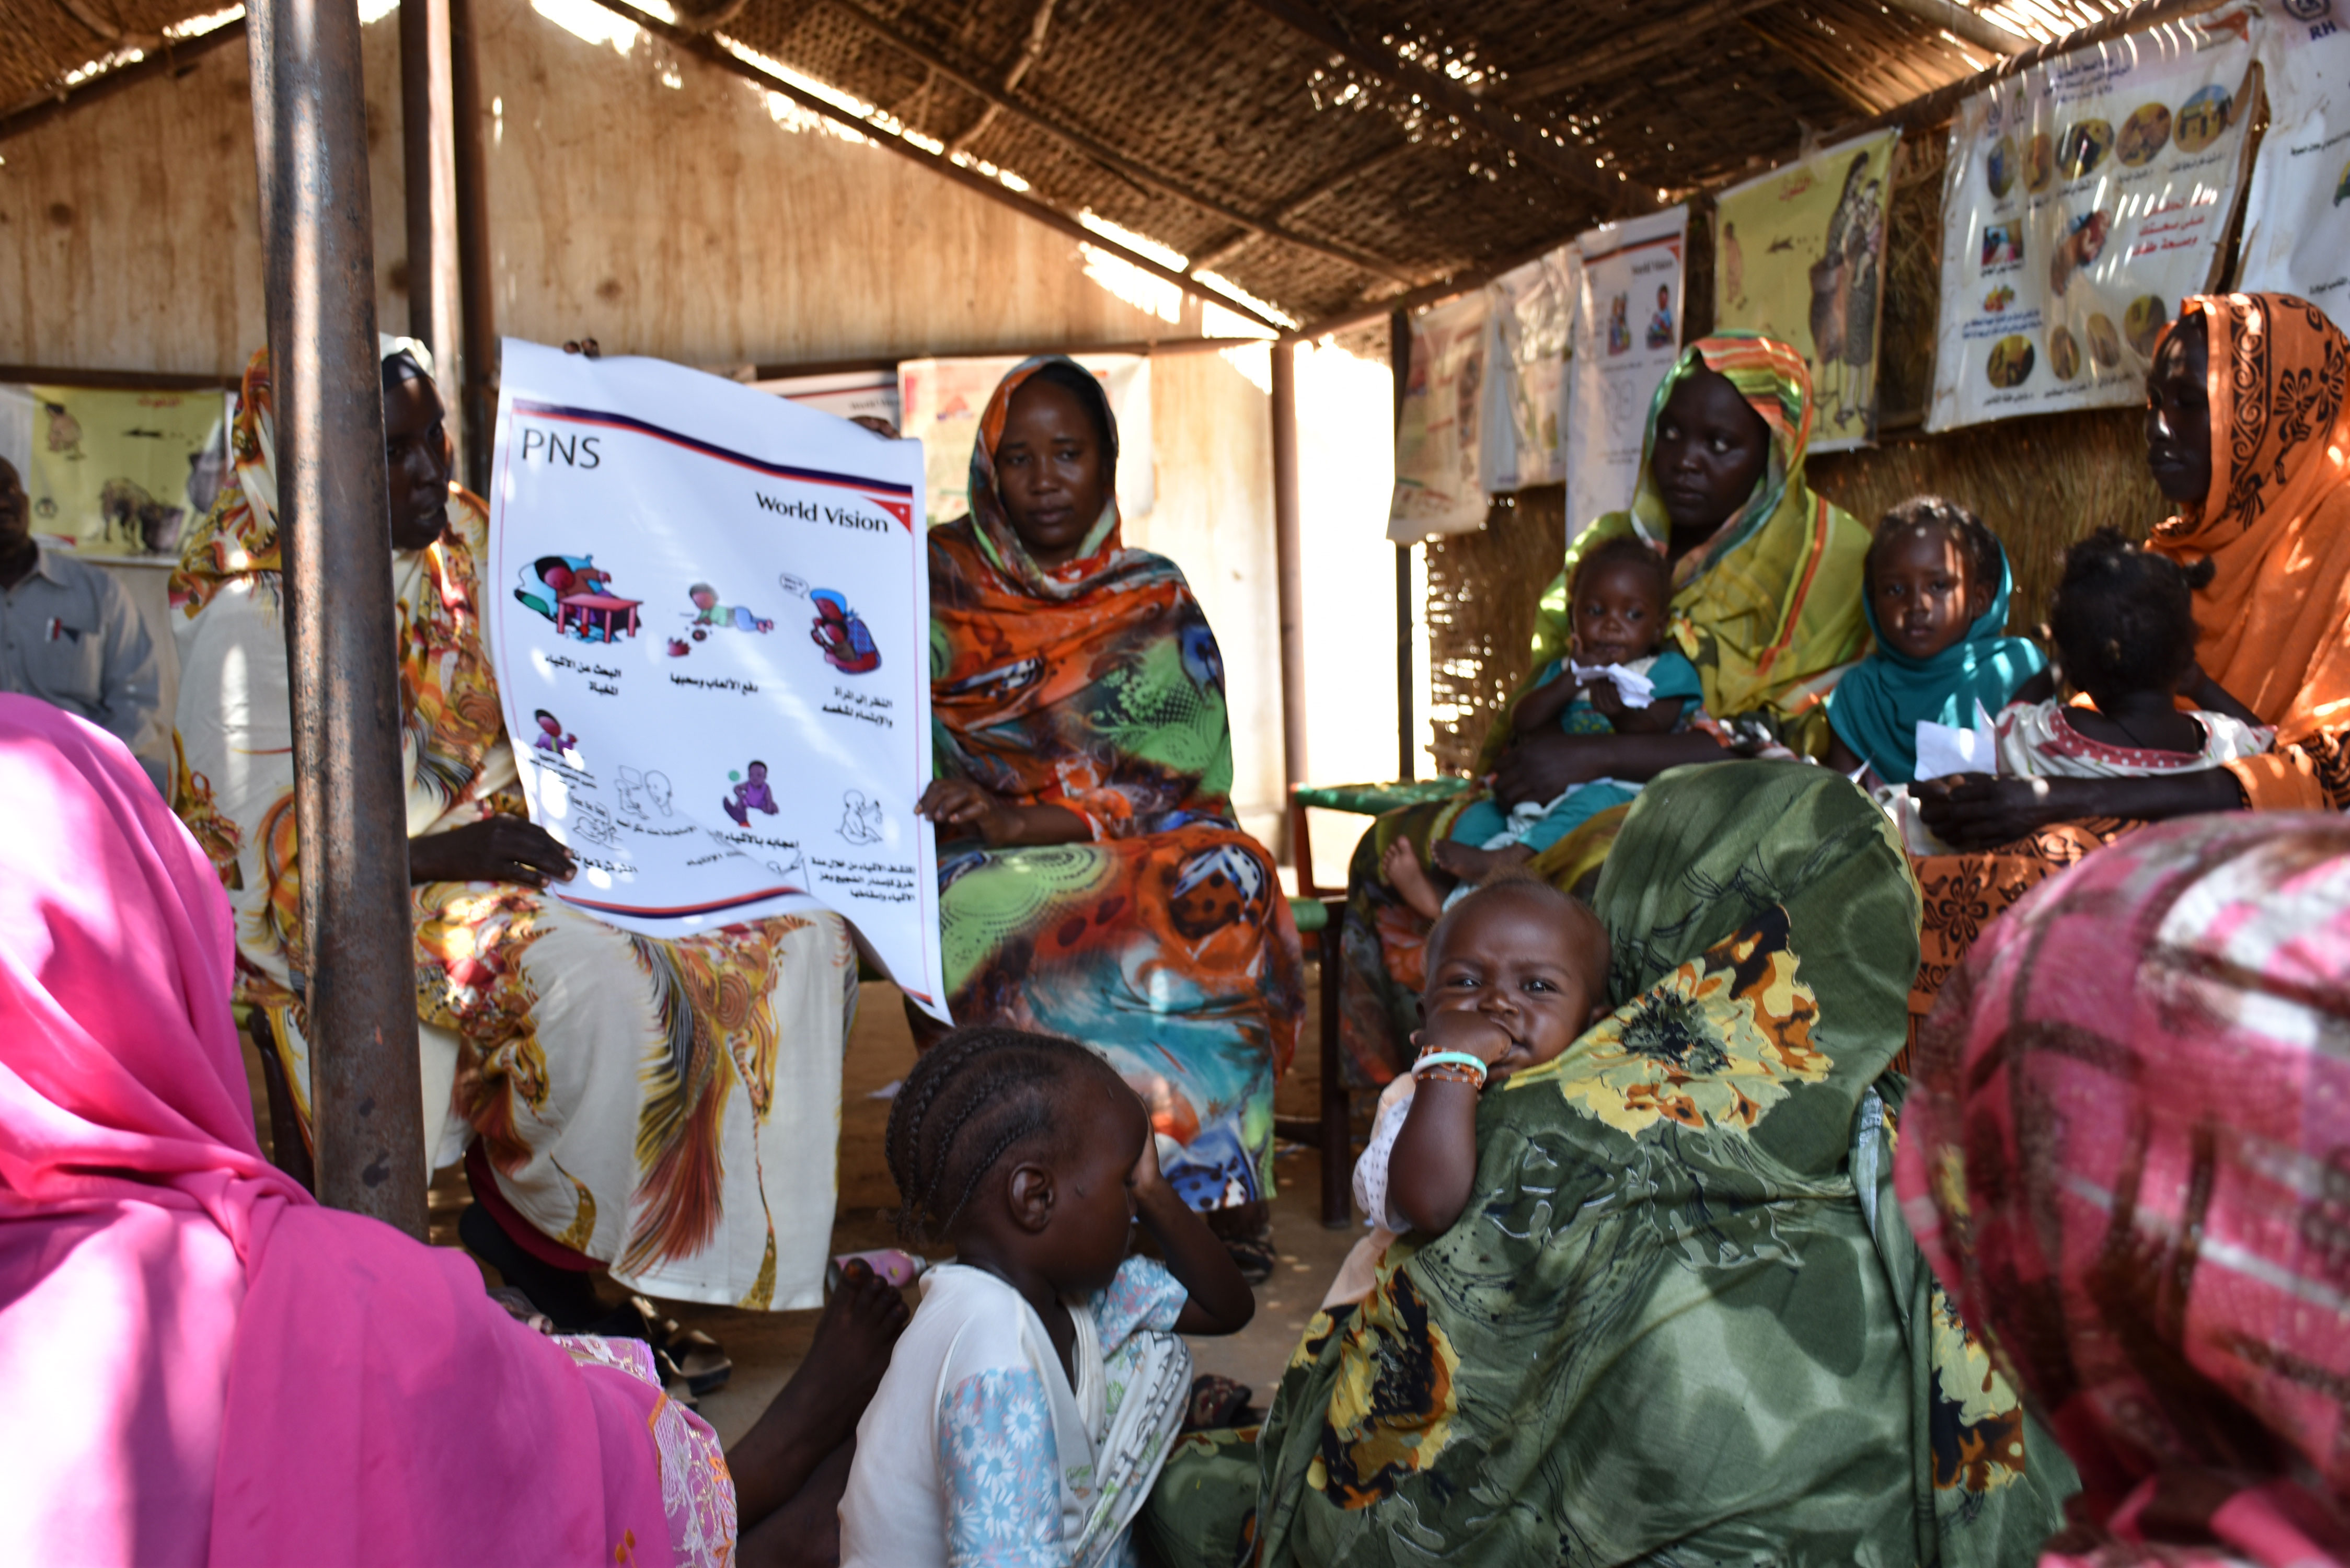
{"points": [[1319, 154]]}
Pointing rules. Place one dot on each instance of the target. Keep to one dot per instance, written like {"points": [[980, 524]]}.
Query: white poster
{"points": [[2297, 217], [712, 639], [1534, 313], [2084, 198], [1439, 485], [849, 394], [942, 400], [1627, 335]]}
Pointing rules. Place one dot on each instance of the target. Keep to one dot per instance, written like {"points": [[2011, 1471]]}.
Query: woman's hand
{"points": [[1976, 811], [1539, 767], [496, 850], [994, 821]]}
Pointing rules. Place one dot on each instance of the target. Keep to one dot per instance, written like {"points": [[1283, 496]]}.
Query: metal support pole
{"points": [[1407, 753], [334, 523], [479, 370], [427, 174], [1290, 562]]}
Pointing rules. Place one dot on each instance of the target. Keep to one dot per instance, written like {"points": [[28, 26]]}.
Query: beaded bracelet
{"points": [[1456, 1065]]}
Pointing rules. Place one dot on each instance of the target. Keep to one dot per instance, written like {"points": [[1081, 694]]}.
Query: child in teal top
{"points": [[1613, 681]]}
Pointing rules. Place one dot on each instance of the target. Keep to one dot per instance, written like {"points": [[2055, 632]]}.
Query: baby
{"points": [[1935, 590], [2124, 626], [1516, 971], [1029, 1405], [1613, 681]]}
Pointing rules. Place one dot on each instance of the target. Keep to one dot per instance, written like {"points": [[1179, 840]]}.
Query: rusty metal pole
{"points": [[428, 174], [1289, 558], [477, 304], [1407, 753], [334, 523]]}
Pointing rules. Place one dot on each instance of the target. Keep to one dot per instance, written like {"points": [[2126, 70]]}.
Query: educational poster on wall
{"points": [[2084, 198], [712, 635], [2297, 215], [845, 394], [1627, 333], [1799, 254], [1439, 487], [942, 400], [120, 473], [1532, 315]]}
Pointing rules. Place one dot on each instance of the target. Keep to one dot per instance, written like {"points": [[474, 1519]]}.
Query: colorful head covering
{"points": [[998, 540], [2276, 522], [217, 1367], [2127, 1153], [1768, 608], [1878, 703]]}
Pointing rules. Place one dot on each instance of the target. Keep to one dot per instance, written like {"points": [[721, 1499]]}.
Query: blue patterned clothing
{"points": [[978, 1452]]}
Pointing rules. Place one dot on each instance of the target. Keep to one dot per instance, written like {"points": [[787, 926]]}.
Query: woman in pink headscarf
{"points": [[2128, 1154], [200, 1364]]}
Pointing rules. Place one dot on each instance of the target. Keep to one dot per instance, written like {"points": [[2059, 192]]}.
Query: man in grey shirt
{"points": [[68, 633]]}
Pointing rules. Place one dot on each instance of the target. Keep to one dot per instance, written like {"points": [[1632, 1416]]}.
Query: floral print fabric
{"points": [[1019, 1468], [1682, 1319]]}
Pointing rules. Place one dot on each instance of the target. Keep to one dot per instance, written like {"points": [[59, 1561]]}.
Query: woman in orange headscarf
{"points": [[2248, 430]]}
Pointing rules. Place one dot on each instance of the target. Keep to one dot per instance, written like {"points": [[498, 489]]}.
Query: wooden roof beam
{"points": [[1030, 53], [712, 50], [1626, 52], [1964, 25], [167, 59], [1329, 184], [1496, 121], [1109, 157]]}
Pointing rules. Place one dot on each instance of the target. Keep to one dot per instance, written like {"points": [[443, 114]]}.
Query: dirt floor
{"points": [[766, 1348]]}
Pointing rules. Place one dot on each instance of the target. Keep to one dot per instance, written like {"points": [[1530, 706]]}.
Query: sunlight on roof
{"points": [[1166, 257], [374, 11], [1216, 321], [1235, 293], [1145, 290], [1253, 360], [584, 20]]}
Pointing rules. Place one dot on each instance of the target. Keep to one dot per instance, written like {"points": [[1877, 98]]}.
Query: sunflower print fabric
{"points": [[1682, 1320]]}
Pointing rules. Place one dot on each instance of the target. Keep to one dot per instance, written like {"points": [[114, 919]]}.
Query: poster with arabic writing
{"points": [[2297, 215], [1618, 361], [2084, 198], [713, 645]]}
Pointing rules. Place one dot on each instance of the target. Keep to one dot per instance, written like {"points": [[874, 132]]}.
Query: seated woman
{"points": [[1766, 604], [1093, 881], [667, 1109], [199, 1363], [1681, 1319], [2243, 428], [2166, 1277]]}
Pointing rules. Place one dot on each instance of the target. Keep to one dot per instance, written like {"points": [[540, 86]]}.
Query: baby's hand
{"points": [[1461, 1029]]}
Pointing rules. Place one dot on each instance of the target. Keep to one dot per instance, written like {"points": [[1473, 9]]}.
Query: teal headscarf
{"points": [[1877, 705]]}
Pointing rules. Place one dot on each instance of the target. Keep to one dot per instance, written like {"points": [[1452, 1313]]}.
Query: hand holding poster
{"points": [[1799, 255], [1620, 358], [713, 645], [2297, 217], [2084, 198]]}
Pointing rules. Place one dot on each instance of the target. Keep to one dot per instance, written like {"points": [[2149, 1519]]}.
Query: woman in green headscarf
{"points": [[1766, 604], [1682, 1319]]}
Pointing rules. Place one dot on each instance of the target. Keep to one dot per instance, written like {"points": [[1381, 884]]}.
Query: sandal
{"points": [[682, 1354], [1215, 1402], [1252, 1255]]}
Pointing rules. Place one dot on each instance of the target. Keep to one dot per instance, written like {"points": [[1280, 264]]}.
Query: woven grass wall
{"points": [[2040, 482]]}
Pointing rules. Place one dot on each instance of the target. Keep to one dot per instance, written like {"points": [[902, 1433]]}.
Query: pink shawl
{"points": [[2128, 1154], [197, 1363]]}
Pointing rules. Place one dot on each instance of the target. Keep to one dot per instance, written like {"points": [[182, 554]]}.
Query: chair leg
{"points": [[1338, 1131], [288, 1150]]}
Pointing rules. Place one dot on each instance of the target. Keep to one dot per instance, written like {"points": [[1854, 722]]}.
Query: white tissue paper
{"points": [[1944, 750], [1636, 689]]}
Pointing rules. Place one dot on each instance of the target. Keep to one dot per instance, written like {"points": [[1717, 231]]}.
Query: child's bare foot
{"points": [[819, 1408], [1411, 882], [1474, 865]]}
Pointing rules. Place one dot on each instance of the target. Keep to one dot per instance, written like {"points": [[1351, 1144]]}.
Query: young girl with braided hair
{"points": [[1029, 1405]]}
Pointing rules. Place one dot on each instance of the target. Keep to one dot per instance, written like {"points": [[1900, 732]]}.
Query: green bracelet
{"points": [[1450, 1059]]}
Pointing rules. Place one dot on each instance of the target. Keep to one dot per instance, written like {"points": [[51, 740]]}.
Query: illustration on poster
{"points": [[1998, 168], [860, 819], [2144, 134], [2079, 247], [2203, 117], [65, 431], [2105, 343], [552, 736], [1661, 333], [2143, 322], [2084, 147], [842, 635], [2002, 245], [750, 795], [709, 612], [2064, 354], [576, 595], [1619, 324], [635, 788], [2039, 162], [1844, 295], [2011, 361]]}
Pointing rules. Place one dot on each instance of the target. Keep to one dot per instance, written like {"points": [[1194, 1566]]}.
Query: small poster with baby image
{"points": [[712, 634], [2083, 199]]}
